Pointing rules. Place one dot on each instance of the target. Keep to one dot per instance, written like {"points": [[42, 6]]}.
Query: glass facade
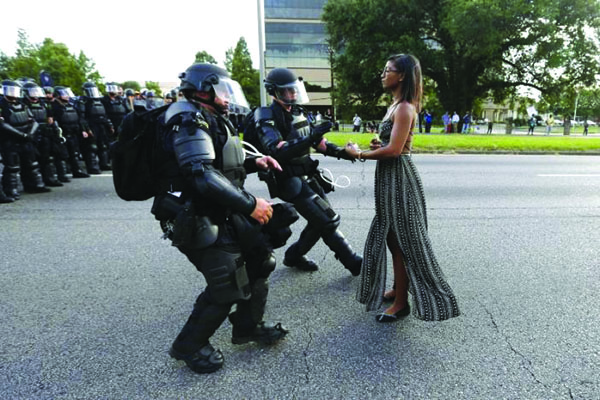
{"points": [[294, 9], [295, 38]]}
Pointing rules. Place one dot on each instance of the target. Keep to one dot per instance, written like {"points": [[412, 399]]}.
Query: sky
{"points": [[133, 39]]}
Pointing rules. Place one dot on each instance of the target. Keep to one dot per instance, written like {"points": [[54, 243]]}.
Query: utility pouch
{"points": [[166, 206], [185, 225], [269, 178]]}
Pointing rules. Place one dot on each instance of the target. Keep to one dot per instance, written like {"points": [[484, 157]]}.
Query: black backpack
{"points": [[134, 155]]}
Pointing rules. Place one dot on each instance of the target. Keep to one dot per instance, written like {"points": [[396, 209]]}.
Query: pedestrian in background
{"points": [[549, 123], [455, 119], [400, 214], [446, 120]]}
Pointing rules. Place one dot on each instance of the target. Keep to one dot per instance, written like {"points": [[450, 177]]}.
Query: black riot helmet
{"points": [[49, 90], [12, 90], [283, 84], [215, 81], [33, 92], [91, 90], [206, 78], [129, 92], [62, 93]]}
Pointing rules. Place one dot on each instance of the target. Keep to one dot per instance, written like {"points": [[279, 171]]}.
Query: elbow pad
{"points": [[211, 183]]}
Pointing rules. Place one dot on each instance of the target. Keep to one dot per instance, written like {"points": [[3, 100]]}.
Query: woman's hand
{"points": [[375, 143], [352, 149]]}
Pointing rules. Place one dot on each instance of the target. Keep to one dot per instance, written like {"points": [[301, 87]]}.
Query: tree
{"points": [[204, 57], [238, 63], [470, 48], [155, 87], [131, 85], [65, 68]]}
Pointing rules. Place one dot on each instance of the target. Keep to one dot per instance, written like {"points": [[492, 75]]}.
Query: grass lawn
{"points": [[437, 143]]}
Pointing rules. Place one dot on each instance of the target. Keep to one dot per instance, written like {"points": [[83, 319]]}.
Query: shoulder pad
{"points": [[179, 107], [263, 114]]}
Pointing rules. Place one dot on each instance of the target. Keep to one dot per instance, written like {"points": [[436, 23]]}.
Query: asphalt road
{"points": [[91, 297]]}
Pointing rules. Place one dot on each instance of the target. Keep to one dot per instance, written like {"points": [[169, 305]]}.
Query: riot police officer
{"points": [[215, 222], [68, 118], [17, 129], [129, 100], [95, 147], [285, 133], [47, 137], [113, 104]]}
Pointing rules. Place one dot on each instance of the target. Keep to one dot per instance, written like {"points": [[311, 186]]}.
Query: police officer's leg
{"points": [[46, 160], [323, 219], [335, 240], [31, 175], [88, 149], [60, 155], [72, 144], [12, 167], [247, 320], [3, 197], [227, 282], [102, 145]]}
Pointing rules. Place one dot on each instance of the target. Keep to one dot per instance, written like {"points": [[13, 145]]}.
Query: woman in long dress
{"points": [[400, 214]]}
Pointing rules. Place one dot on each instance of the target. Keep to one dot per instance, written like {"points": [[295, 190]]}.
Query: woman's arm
{"points": [[403, 118]]}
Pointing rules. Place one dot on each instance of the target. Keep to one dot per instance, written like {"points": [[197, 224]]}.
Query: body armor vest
{"points": [[116, 108], [69, 119], [40, 114], [95, 110], [19, 117], [233, 159]]}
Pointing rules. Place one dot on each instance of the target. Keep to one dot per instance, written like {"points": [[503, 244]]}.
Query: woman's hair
{"points": [[412, 87]]}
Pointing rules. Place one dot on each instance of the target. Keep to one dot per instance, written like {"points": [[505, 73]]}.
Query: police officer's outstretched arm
{"points": [[272, 140]]}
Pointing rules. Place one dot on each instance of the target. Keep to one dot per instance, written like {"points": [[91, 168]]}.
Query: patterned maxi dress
{"points": [[400, 208]]}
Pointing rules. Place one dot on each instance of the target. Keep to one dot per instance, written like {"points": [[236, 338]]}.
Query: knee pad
{"points": [[317, 212], [225, 274]]}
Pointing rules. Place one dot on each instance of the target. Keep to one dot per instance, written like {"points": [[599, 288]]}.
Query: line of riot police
{"points": [[48, 133]]}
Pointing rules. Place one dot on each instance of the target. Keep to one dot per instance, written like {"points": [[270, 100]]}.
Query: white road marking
{"points": [[570, 175]]}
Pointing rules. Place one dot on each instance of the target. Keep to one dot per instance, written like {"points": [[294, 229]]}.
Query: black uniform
{"points": [[115, 110], [95, 148], [300, 183], [209, 222], [51, 150], [18, 151], [68, 118]]}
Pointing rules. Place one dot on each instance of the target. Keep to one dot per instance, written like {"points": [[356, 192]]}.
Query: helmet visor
{"points": [[66, 92], [35, 92], [237, 99], [292, 93], [12, 91], [112, 88], [93, 92]]}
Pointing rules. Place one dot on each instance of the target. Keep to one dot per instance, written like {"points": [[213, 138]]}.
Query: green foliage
{"points": [[131, 85], [238, 63], [471, 49], [65, 68], [204, 57], [481, 143], [155, 87]]}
